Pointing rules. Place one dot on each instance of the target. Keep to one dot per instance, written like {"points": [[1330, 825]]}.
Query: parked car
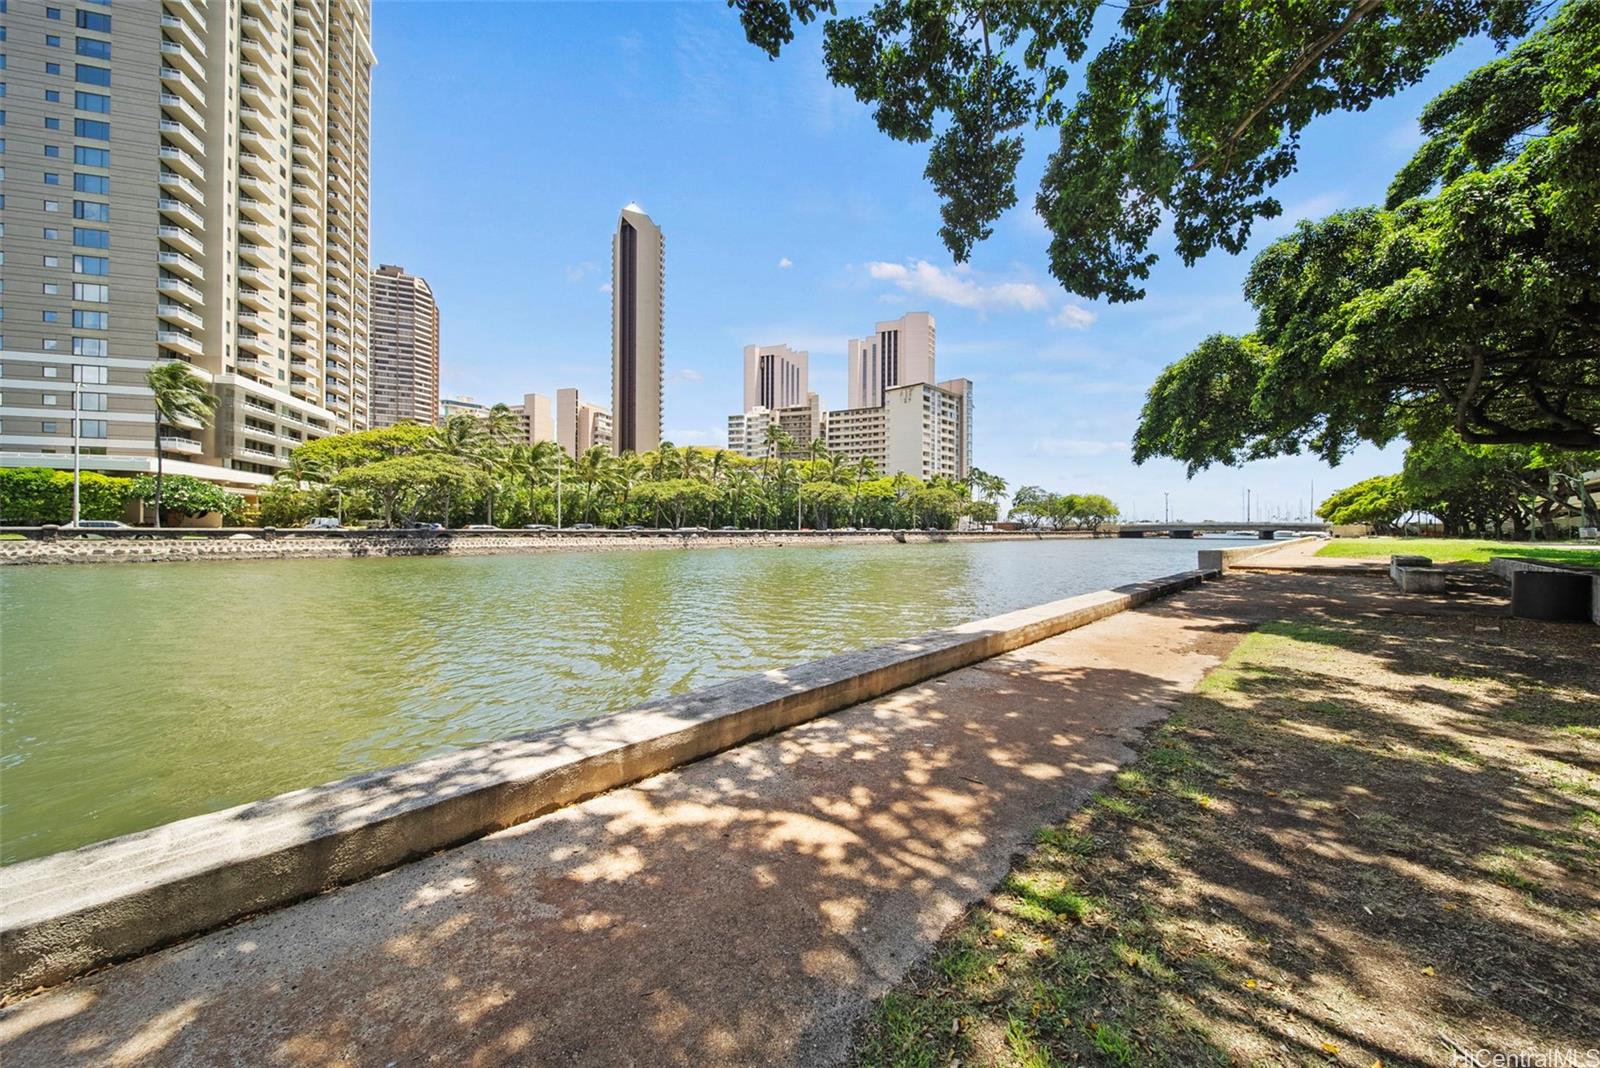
{"points": [[427, 526], [537, 526], [480, 526], [583, 526], [727, 528], [323, 522], [633, 526], [101, 524]]}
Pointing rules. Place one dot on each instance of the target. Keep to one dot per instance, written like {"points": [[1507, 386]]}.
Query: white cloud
{"points": [[604, 287], [577, 272], [1073, 317], [785, 263], [1076, 447], [689, 374], [958, 286]]}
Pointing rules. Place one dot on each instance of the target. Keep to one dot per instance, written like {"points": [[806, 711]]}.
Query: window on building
{"points": [[91, 428], [91, 210], [86, 237], [92, 102], [90, 75], [52, 41], [88, 346], [91, 157], [49, 345], [52, 150], [53, 68], [94, 129], [50, 233], [89, 376], [92, 402], [100, 265], [47, 427], [51, 288], [90, 320], [88, 46], [51, 178], [91, 183], [52, 123], [51, 316], [93, 292], [52, 13], [52, 205], [52, 261], [94, 20]]}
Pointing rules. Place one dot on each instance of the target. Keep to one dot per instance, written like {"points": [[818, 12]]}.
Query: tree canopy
{"points": [[1188, 112], [1474, 309]]}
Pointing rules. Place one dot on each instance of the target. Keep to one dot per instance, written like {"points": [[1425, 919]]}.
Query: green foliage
{"points": [[333, 454], [35, 495], [1033, 506], [1472, 310], [185, 495], [283, 505], [1188, 111], [401, 486], [1379, 501]]}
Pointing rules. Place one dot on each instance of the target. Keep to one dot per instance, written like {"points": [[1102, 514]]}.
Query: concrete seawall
{"points": [[343, 545], [1223, 559], [74, 911]]}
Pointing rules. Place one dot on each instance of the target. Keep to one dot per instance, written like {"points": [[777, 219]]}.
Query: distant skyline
{"points": [[790, 219]]}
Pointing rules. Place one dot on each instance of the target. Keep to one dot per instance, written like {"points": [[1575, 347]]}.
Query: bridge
{"points": [[1264, 531]]}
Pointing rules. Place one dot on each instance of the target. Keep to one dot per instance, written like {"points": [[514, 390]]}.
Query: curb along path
{"points": [[742, 909]]}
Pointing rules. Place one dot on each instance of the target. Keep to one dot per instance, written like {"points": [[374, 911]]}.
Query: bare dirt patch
{"points": [[1369, 839]]}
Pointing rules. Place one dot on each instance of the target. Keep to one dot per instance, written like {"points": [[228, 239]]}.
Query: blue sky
{"points": [[507, 135]]}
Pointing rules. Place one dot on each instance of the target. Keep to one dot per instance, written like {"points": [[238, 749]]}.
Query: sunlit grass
{"points": [[1455, 550]]}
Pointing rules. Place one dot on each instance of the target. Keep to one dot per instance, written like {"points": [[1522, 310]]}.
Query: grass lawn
{"points": [[1357, 843], [1455, 550]]}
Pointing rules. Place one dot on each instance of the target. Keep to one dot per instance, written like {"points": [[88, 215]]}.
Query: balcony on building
{"points": [[181, 188], [179, 56], [179, 443], [180, 83], [183, 265], [181, 238], [180, 341], [183, 135]]}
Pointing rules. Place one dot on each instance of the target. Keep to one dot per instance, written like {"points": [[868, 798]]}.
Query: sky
{"points": [[507, 136]]}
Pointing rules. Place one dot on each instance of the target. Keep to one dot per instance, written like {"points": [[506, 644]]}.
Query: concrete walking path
{"points": [[745, 909]]}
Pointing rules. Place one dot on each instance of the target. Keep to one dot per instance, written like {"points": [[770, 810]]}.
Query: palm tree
{"points": [[461, 436], [741, 482], [778, 442], [593, 469], [180, 394], [865, 471]]}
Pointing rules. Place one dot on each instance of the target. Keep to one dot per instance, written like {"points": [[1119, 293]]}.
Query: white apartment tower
{"points": [[638, 267], [405, 348], [775, 376], [186, 180], [898, 353]]}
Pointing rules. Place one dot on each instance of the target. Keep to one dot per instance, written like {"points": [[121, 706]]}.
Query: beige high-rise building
{"points": [[579, 425], [538, 418], [187, 181], [920, 429], [775, 376], [638, 268], [405, 348], [899, 353]]}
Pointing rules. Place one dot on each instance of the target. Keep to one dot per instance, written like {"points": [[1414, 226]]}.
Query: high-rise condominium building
{"points": [[638, 267], [185, 181], [803, 423], [775, 376], [580, 426], [538, 418], [405, 348], [899, 353]]}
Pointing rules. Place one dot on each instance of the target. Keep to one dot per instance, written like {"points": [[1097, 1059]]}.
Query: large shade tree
{"points": [[1188, 111], [1470, 303]]}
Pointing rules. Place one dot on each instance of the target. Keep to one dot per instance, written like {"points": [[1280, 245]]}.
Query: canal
{"points": [[133, 695]]}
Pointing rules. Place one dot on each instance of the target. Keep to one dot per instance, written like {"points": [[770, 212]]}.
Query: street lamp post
{"points": [[77, 447], [1166, 508]]}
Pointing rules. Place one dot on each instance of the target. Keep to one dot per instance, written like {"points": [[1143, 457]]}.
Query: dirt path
{"points": [[1370, 838], [743, 910]]}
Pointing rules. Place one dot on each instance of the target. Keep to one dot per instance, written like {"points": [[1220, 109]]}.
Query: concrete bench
{"points": [[1559, 592], [1415, 574]]}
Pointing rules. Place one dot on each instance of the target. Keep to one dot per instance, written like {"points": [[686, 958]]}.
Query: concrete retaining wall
{"points": [[1506, 566], [339, 545], [1222, 559], [70, 912]]}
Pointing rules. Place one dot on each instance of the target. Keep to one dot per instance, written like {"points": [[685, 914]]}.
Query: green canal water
{"points": [[132, 695]]}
